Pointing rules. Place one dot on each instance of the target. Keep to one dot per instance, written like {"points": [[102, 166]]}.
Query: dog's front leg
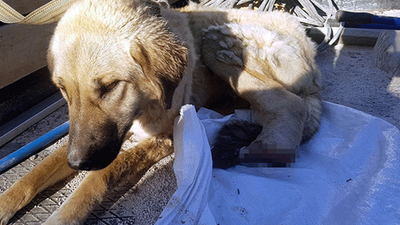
{"points": [[132, 163], [51, 170]]}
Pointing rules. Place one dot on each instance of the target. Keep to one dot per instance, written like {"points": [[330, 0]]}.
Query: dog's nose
{"points": [[89, 164], [80, 165]]}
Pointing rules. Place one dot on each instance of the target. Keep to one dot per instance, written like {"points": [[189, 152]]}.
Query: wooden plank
{"points": [[23, 50], [25, 6]]}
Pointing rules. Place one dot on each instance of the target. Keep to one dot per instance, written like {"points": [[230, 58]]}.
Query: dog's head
{"points": [[114, 61]]}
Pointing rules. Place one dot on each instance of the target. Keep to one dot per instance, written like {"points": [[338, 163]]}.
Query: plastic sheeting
{"points": [[349, 173]]}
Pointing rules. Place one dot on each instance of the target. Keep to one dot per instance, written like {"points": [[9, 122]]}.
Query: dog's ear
{"points": [[163, 60], [50, 60]]}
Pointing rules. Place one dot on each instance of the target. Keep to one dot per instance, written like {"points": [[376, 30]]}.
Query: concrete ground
{"points": [[349, 78]]}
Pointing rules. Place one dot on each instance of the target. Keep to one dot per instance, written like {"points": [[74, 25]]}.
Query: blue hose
{"points": [[33, 147]]}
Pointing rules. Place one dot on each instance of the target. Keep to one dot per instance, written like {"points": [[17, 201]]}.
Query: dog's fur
{"points": [[124, 63]]}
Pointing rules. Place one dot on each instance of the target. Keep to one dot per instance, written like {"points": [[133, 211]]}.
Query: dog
{"points": [[129, 65]]}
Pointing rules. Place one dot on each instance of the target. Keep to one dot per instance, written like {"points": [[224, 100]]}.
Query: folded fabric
{"points": [[348, 173]]}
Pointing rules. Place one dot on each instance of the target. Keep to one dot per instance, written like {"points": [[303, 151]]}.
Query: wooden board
{"points": [[22, 50]]}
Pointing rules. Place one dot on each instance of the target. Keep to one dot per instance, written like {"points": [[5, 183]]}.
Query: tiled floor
{"points": [[125, 204]]}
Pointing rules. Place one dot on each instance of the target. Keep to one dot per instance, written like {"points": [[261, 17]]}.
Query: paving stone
{"points": [[38, 210], [102, 214], [18, 223], [95, 222], [29, 217]]}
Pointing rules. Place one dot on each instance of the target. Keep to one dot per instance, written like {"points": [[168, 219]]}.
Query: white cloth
{"points": [[348, 173]]}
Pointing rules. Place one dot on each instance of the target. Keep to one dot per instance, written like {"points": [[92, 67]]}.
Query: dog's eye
{"points": [[108, 88], [111, 86]]}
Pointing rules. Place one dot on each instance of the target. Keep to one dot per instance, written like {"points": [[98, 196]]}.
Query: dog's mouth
{"points": [[91, 155], [96, 162], [93, 145]]}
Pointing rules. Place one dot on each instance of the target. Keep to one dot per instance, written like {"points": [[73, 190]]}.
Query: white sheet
{"points": [[349, 173]]}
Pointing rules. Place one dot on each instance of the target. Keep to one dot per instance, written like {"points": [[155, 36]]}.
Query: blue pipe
{"points": [[367, 20], [33, 147], [372, 26]]}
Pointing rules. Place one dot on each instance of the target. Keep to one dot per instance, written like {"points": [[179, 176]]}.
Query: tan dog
{"points": [[124, 65]]}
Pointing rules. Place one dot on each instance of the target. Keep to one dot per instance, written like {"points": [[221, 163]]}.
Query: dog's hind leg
{"points": [[51, 170], [281, 114], [132, 163], [249, 68]]}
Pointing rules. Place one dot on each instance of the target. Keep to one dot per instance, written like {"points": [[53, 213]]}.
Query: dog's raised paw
{"points": [[222, 51], [229, 57]]}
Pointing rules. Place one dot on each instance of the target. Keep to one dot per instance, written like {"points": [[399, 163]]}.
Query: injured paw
{"points": [[233, 136], [263, 155], [235, 145]]}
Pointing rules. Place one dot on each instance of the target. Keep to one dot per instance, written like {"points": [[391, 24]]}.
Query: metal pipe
{"points": [[16, 126], [33, 147]]}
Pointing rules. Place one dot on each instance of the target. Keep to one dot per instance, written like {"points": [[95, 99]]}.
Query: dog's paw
{"points": [[236, 144], [260, 154], [7, 208], [222, 51], [220, 44], [5, 216], [231, 48], [57, 219], [233, 136]]}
